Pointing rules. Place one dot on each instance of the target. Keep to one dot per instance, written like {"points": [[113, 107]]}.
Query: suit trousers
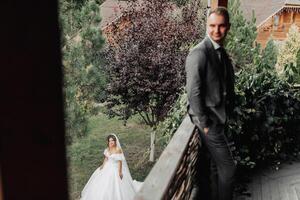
{"points": [[221, 167]]}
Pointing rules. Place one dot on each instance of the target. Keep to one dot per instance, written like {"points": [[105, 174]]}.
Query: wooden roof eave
{"points": [[278, 11], [268, 18]]}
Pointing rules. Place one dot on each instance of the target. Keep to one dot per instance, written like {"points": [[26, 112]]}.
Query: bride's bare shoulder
{"points": [[118, 150]]}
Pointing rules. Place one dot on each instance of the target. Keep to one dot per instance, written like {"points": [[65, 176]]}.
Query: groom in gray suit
{"points": [[210, 91]]}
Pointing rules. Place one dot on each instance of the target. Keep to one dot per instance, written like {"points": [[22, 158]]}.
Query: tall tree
{"points": [[270, 53], [241, 37], [287, 57], [146, 57], [85, 79]]}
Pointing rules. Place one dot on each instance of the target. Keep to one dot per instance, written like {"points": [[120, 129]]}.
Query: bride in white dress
{"points": [[112, 180]]}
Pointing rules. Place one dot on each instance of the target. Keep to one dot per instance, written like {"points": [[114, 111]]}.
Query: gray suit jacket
{"points": [[206, 83]]}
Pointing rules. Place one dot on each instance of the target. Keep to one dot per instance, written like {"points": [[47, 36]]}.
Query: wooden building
{"points": [[273, 17], [111, 11]]}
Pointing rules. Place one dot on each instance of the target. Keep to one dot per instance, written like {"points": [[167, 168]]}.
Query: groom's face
{"points": [[217, 27]]}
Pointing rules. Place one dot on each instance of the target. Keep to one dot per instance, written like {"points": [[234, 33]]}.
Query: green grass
{"points": [[86, 154]]}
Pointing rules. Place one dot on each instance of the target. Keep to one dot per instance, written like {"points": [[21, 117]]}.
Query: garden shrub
{"points": [[288, 66], [263, 123]]}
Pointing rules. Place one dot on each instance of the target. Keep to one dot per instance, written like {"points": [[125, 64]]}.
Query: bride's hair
{"points": [[111, 136]]}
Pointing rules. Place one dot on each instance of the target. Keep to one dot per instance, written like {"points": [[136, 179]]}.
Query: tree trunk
{"points": [[152, 146]]}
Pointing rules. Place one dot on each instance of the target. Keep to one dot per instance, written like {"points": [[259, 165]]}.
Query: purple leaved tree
{"points": [[145, 58]]}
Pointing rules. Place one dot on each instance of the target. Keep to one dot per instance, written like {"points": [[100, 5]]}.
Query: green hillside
{"points": [[86, 154]]}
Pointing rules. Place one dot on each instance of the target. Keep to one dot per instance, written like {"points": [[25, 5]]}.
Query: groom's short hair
{"points": [[220, 11]]}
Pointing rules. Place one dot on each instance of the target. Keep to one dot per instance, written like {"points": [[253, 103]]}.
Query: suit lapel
{"points": [[213, 57]]}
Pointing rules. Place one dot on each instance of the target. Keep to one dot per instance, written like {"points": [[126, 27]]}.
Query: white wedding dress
{"points": [[106, 184]]}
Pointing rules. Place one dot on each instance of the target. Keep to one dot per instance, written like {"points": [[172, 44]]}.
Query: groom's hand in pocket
{"points": [[206, 130]]}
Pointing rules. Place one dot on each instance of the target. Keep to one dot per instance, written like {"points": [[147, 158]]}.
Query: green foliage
{"points": [[86, 154], [241, 37], [168, 127], [76, 115], [85, 79], [269, 54], [297, 75], [288, 60], [298, 58], [73, 15], [291, 73], [263, 122]]}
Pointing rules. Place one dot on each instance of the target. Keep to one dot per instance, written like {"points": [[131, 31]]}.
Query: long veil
{"points": [[125, 168], [100, 177]]}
